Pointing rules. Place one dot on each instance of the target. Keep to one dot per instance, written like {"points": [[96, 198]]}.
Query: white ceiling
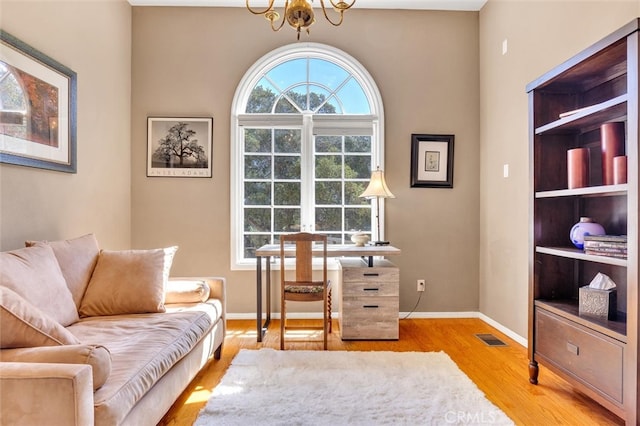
{"points": [[363, 4]]}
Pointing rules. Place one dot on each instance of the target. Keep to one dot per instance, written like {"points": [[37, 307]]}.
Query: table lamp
{"points": [[377, 189]]}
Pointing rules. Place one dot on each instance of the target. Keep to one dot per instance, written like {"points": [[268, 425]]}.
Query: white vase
{"points": [[586, 226], [360, 239]]}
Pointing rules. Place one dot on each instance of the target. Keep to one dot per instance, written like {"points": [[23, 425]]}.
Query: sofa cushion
{"points": [[35, 275], [22, 325], [143, 348], [77, 258], [186, 291], [97, 356], [128, 282]]}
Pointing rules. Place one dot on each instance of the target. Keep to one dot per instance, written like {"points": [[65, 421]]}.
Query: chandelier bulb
{"points": [[272, 16]]}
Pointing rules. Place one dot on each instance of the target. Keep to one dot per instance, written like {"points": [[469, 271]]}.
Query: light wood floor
{"points": [[500, 372]]}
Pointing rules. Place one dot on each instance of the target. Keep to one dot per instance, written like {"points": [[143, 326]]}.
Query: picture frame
{"points": [[38, 108], [432, 161], [179, 147]]}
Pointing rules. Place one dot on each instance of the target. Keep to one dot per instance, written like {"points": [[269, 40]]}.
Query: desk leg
{"points": [[259, 297], [268, 277], [261, 328]]}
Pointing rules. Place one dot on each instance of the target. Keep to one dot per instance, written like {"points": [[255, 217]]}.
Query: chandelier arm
{"points": [[262, 12], [341, 5], [340, 10], [274, 28]]}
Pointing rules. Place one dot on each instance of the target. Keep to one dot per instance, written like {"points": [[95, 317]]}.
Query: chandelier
{"points": [[299, 14]]}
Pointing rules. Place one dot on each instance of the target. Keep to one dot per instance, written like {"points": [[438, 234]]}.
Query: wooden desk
{"points": [[367, 253]]}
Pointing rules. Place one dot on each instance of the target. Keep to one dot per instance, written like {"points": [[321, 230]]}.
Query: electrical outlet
{"points": [[421, 285]]}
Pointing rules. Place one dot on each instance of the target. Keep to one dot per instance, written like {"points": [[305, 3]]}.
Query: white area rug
{"points": [[269, 387]]}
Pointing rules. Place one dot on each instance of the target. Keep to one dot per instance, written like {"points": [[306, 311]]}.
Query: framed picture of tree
{"points": [[179, 147]]}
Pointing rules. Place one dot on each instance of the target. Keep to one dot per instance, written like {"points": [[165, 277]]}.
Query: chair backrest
{"points": [[304, 254]]}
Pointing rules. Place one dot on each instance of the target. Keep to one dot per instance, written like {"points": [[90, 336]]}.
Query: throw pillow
{"points": [[186, 291], [97, 356], [35, 275], [77, 258], [128, 282], [22, 325]]}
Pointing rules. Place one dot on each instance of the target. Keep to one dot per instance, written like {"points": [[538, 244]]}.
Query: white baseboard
{"points": [[470, 314]]}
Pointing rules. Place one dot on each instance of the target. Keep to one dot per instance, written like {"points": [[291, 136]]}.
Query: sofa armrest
{"points": [[97, 356], [39, 393], [217, 287]]}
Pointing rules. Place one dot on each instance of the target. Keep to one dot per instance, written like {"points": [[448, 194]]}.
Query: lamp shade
{"points": [[377, 187]]}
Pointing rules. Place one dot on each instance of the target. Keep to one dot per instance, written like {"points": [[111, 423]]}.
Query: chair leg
{"points": [[282, 320], [329, 308], [324, 329], [326, 317]]}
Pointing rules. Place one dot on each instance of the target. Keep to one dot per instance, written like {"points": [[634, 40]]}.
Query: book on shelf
{"points": [[606, 245], [607, 238], [599, 243], [621, 250]]}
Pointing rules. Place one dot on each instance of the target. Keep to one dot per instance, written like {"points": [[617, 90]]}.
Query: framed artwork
{"points": [[37, 108], [179, 147], [431, 161]]}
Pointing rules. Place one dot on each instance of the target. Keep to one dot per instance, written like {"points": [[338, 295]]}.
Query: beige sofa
{"points": [[101, 337]]}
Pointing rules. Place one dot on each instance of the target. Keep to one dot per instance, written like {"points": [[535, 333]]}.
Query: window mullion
{"points": [[307, 215]]}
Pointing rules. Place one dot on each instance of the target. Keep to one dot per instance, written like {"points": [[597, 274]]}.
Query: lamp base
{"points": [[381, 243]]}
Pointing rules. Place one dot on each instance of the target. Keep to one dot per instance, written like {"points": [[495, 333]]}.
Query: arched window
{"points": [[13, 104], [306, 132]]}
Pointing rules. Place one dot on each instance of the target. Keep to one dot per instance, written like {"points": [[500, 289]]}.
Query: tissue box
{"points": [[597, 303]]}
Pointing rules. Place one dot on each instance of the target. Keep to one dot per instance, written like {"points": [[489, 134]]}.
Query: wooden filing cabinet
{"points": [[369, 302]]}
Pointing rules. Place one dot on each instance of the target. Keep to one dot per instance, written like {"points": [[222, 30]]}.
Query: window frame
{"points": [[348, 123]]}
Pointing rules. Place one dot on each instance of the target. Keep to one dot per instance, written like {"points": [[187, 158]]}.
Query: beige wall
{"points": [[540, 35], [189, 61], [93, 39], [438, 72]]}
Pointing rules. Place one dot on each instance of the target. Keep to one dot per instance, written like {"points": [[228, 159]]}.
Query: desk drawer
{"points": [[591, 357], [371, 275], [370, 289], [373, 317]]}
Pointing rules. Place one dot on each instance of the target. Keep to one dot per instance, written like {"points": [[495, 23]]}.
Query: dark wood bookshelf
{"points": [[567, 107]]}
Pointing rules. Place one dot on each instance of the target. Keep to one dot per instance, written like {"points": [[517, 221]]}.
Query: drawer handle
{"points": [[370, 306], [574, 349], [371, 274], [371, 289]]}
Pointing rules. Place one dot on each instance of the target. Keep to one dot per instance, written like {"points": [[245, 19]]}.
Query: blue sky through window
{"points": [[304, 75]]}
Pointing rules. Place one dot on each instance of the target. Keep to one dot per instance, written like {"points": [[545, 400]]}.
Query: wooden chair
{"points": [[304, 288]]}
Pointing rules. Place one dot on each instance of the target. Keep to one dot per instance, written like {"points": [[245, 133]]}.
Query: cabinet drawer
{"points": [[366, 289], [371, 275], [371, 317], [591, 357], [364, 308]]}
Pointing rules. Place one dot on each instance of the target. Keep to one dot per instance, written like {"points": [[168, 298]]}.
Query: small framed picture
{"points": [[179, 147], [431, 161]]}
